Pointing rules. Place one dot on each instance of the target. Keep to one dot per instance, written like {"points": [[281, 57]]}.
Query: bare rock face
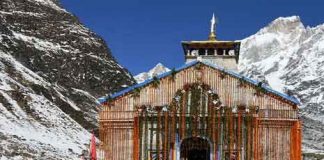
{"points": [[52, 69], [53, 43], [289, 57]]}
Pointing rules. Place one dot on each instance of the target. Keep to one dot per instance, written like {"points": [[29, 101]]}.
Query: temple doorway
{"points": [[195, 148]]}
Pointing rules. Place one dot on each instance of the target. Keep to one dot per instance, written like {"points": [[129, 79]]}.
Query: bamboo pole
{"points": [[166, 139], [239, 135], [158, 134], [135, 138]]}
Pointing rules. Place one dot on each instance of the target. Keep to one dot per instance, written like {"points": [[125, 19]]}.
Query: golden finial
{"points": [[212, 35]]}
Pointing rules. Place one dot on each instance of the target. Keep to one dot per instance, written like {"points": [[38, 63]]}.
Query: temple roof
{"points": [[210, 44], [209, 41], [193, 63]]}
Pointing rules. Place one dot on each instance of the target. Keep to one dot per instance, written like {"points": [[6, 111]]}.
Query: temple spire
{"points": [[213, 23], [212, 35]]}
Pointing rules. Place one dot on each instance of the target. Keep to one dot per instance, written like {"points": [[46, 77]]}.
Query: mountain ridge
{"points": [[290, 58]]}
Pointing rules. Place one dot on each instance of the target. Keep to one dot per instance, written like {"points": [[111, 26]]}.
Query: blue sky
{"points": [[142, 33]]}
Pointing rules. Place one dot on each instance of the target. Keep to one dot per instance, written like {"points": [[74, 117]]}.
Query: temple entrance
{"points": [[196, 117], [195, 148]]}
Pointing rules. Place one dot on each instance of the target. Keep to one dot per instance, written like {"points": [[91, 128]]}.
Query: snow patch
{"points": [[49, 3], [67, 100], [39, 43]]}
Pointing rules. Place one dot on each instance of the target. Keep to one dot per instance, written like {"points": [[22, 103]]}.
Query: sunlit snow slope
{"points": [[290, 58]]}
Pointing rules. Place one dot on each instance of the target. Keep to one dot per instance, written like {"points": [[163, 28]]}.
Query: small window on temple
{"points": [[194, 52], [211, 52], [227, 52], [220, 52], [202, 52], [231, 53]]}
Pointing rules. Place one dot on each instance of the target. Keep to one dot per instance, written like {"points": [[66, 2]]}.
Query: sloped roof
{"points": [[209, 42], [187, 65]]}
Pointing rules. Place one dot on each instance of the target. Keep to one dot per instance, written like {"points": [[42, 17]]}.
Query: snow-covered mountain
{"points": [[32, 125], [290, 57], [52, 69], [158, 69]]}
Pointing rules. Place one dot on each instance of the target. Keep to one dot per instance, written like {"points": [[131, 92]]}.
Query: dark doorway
{"points": [[198, 154], [195, 148]]}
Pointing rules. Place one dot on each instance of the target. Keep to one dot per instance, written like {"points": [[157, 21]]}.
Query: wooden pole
{"points": [[238, 135], [135, 138], [295, 144], [166, 139]]}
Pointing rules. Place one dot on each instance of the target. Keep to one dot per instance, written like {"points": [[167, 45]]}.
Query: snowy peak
{"points": [[284, 25], [158, 69], [289, 57], [281, 37], [275, 35]]}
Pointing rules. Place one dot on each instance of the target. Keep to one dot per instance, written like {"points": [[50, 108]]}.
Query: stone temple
{"points": [[203, 110]]}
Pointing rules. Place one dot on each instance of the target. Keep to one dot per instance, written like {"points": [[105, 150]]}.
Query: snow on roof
{"points": [[187, 65]]}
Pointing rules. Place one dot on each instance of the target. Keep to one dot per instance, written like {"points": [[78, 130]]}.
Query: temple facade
{"points": [[202, 110]]}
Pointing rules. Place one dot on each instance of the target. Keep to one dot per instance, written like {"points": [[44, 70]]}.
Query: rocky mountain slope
{"points": [[158, 69], [290, 57], [52, 69]]}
